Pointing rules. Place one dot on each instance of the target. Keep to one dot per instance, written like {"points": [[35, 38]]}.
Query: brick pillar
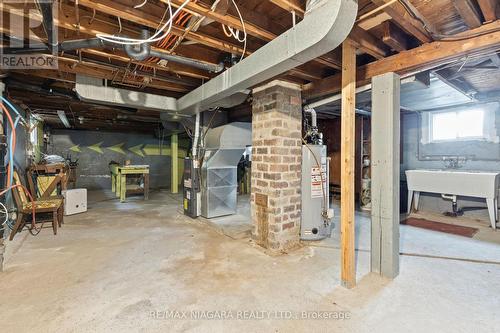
{"points": [[276, 165]]}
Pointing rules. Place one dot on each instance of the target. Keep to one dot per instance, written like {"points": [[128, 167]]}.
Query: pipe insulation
{"points": [[324, 27]]}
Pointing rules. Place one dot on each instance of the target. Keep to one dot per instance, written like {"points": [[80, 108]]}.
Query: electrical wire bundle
{"points": [[171, 40], [240, 36], [160, 33], [10, 168]]}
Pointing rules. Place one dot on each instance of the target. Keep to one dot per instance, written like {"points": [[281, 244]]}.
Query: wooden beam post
{"points": [[174, 149], [348, 273]]}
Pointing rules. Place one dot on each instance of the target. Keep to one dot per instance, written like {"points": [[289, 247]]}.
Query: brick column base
{"points": [[276, 165]]}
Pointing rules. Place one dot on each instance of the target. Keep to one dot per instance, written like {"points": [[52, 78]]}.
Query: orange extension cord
{"points": [[13, 134], [170, 40], [9, 186]]}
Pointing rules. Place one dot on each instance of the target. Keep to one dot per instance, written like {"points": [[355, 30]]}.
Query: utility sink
{"points": [[470, 183]]}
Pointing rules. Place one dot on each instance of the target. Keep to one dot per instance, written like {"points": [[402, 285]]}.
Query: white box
{"points": [[75, 201]]}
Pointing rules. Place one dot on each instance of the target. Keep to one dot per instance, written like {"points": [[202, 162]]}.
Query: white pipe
{"points": [[314, 122], [196, 136]]}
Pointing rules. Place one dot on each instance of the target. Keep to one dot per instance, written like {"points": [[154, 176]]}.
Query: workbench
{"points": [[119, 180]]}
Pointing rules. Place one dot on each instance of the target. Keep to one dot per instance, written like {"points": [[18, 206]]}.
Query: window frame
{"points": [[482, 137]]}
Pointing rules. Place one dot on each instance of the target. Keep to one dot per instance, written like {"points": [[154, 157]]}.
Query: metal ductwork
{"points": [[213, 68], [144, 50], [91, 43], [92, 90], [324, 27], [224, 147], [48, 21]]}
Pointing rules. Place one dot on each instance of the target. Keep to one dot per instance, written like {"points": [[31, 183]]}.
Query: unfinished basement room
{"points": [[250, 166]]}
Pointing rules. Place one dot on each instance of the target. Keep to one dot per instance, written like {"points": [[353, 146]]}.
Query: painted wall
{"points": [[487, 153], [96, 149]]}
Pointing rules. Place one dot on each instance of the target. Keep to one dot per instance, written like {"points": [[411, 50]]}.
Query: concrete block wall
{"points": [[93, 169], [276, 165]]}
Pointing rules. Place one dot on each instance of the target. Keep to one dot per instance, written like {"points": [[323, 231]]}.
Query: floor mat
{"points": [[442, 227]]}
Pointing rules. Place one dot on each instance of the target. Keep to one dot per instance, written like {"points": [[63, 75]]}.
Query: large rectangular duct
{"points": [[326, 24], [224, 147], [92, 90]]}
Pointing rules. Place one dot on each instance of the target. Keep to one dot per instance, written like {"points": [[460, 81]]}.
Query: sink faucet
{"points": [[454, 162]]}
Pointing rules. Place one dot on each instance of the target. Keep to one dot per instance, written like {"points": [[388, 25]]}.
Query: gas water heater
{"points": [[317, 216]]}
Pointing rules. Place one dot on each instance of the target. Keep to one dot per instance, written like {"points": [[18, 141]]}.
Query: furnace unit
{"points": [[224, 147]]}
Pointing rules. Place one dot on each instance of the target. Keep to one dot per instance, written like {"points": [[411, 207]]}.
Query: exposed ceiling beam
{"points": [[402, 18], [122, 57], [363, 40], [104, 71], [422, 58], [152, 22], [366, 42], [68, 21], [262, 28], [459, 83], [495, 59], [290, 6], [394, 37], [469, 13], [489, 8], [202, 10], [143, 18]]}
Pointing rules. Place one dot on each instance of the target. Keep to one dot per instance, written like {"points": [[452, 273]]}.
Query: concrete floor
{"points": [[119, 267]]}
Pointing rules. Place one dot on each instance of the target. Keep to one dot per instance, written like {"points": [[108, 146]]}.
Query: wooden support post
{"points": [[348, 273], [174, 149]]}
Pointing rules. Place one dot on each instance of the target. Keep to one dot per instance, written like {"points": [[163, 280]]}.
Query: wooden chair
{"points": [[53, 206]]}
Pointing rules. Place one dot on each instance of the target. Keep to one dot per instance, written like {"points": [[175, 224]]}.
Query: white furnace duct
{"points": [[224, 147]]}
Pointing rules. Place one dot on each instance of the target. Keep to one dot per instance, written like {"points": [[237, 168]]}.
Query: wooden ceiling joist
{"points": [[394, 37], [99, 70], [68, 22], [127, 13], [405, 20], [490, 9], [366, 42], [290, 6], [256, 25], [152, 22], [199, 9], [469, 13], [495, 60], [485, 40]]}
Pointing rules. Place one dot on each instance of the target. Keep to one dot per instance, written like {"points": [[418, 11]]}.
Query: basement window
{"points": [[457, 125]]}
